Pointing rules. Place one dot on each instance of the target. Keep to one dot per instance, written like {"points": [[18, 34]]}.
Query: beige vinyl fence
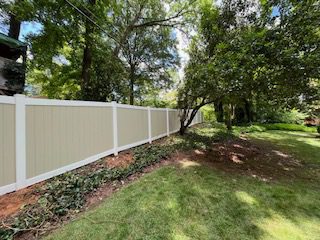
{"points": [[41, 138]]}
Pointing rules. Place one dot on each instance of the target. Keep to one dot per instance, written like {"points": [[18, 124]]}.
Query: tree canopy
{"points": [[97, 49], [244, 54]]}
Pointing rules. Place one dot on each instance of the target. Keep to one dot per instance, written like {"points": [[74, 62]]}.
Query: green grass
{"points": [[275, 126], [289, 127], [305, 146], [196, 202]]}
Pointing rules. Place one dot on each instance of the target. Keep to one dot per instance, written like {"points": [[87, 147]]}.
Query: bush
{"points": [[280, 116], [208, 113]]}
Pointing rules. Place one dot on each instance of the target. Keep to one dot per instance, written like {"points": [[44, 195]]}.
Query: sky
{"points": [[182, 46], [26, 28]]}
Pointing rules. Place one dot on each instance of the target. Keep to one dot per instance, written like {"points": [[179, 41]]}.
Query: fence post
{"points": [[149, 125], [168, 127], [20, 122], [115, 128]]}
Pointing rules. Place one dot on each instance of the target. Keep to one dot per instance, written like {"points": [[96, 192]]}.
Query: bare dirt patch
{"points": [[120, 161], [241, 156], [11, 203]]}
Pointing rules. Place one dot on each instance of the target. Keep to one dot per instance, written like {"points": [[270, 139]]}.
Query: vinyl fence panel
{"points": [[158, 123], [7, 144], [132, 126], [174, 120], [41, 138], [58, 136]]}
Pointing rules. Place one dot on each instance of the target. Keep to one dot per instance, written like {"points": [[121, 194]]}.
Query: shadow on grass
{"points": [[193, 201], [306, 147], [199, 203]]}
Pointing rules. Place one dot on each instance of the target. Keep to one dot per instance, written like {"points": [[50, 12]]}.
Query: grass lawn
{"points": [[191, 200], [303, 145]]}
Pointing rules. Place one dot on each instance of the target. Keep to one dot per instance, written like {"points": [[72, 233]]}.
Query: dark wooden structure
{"points": [[12, 65]]}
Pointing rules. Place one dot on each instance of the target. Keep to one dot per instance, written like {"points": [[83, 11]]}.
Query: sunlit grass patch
{"points": [[200, 203], [277, 227], [189, 200]]}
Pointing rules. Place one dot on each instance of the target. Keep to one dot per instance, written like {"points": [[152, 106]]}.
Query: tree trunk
{"points": [[86, 64], [132, 80], [183, 128], [87, 53], [131, 93], [14, 28], [228, 116], [184, 117], [248, 109], [218, 108]]}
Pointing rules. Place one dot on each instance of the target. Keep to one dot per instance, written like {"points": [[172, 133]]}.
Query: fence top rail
{"points": [[7, 100], [120, 105], [56, 102], [173, 110], [158, 109]]}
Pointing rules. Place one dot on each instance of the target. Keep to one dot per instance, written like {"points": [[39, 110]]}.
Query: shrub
{"points": [[208, 113], [266, 115]]}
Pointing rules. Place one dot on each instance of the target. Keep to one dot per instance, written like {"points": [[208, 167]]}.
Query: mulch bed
{"points": [[259, 160]]}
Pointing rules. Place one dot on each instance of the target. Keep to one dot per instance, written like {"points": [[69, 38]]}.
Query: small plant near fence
{"points": [[66, 194]]}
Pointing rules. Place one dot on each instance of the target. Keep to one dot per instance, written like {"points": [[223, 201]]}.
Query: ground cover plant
{"points": [[66, 193], [212, 168], [241, 186]]}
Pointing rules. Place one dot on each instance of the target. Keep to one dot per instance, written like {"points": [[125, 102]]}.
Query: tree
{"points": [[82, 25], [87, 51], [247, 55], [149, 55], [10, 15]]}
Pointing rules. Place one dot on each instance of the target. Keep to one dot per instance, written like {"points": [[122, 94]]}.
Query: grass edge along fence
{"points": [[42, 138]]}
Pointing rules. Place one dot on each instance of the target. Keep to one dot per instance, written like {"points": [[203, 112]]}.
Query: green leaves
{"points": [[245, 53], [67, 192]]}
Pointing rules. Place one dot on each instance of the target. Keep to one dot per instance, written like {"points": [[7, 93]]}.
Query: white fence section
{"points": [[41, 138]]}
